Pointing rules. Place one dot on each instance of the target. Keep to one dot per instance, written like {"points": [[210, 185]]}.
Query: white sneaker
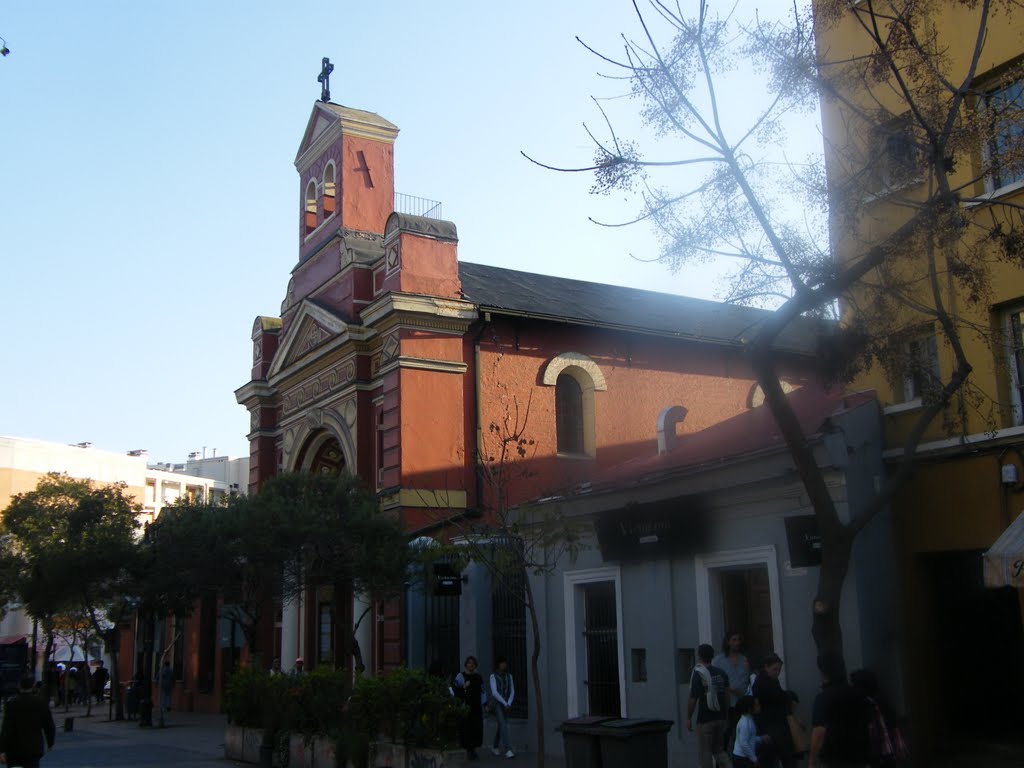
{"points": [[510, 754], [495, 751]]}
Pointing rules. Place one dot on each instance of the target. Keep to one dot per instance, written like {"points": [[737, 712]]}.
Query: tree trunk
{"points": [[113, 640], [538, 696], [835, 562], [341, 607], [49, 672]]}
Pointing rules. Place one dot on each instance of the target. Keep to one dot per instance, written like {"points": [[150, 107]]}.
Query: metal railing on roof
{"points": [[417, 206]]}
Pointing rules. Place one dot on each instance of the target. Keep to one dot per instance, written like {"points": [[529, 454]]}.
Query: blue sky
{"points": [[148, 200]]}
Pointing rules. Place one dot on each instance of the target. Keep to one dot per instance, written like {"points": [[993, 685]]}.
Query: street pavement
{"points": [[188, 740]]}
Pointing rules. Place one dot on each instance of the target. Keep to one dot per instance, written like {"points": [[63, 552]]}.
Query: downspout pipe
{"points": [[478, 458]]}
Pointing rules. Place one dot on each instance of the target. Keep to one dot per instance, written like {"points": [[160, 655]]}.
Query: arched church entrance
{"points": [[322, 454], [321, 617]]}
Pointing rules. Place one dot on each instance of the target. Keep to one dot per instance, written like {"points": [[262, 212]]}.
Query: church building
{"points": [[394, 359]]}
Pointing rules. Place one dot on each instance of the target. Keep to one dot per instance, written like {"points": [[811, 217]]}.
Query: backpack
{"points": [[712, 700]]}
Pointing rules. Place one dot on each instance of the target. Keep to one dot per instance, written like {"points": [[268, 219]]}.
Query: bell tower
{"points": [[346, 166]]}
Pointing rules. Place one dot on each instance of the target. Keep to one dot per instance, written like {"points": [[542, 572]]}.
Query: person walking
{"points": [[503, 693], [166, 685], [469, 689], [744, 750], [27, 732], [709, 700], [99, 681], [839, 721], [734, 663], [776, 705]]}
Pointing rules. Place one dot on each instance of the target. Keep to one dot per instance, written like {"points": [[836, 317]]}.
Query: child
{"points": [[744, 751]]}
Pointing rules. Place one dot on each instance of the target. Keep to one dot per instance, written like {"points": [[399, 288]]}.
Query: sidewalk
{"points": [[189, 739]]}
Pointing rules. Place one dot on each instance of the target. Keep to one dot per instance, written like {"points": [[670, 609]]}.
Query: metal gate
{"points": [[508, 630], [602, 641], [441, 634]]}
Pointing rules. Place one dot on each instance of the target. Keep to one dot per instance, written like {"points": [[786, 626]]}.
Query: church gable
{"points": [[312, 330], [320, 120]]}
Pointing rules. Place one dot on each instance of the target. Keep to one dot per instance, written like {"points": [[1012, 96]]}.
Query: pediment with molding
{"points": [[311, 332], [320, 121]]}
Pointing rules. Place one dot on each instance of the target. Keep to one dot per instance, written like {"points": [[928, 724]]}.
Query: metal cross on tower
{"points": [[324, 78]]}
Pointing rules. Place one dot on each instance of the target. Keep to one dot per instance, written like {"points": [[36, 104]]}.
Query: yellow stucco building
{"points": [[969, 484]]}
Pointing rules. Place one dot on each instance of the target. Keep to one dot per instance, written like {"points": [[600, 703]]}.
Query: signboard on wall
{"points": [[804, 541], [446, 580], [658, 530]]}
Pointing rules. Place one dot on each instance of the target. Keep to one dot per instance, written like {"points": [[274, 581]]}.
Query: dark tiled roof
{"points": [[579, 301]]}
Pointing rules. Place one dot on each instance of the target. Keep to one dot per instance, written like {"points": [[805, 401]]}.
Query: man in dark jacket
{"points": [[27, 722], [841, 717]]}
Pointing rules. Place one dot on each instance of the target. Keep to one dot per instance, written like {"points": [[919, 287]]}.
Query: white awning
{"points": [[1004, 561]]}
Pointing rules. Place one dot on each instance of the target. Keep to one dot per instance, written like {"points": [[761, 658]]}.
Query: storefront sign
{"points": [[804, 541], [663, 529]]}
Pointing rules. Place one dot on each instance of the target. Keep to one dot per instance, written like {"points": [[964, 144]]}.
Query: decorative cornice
{"points": [[422, 364], [423, 499], [456, 311], [257, 390]]}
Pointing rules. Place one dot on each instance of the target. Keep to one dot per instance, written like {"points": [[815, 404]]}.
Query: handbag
{"points": [[799, 733]]}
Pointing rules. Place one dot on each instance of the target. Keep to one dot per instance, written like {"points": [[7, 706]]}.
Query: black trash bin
{"points": [[629, 742], [580, 736]]}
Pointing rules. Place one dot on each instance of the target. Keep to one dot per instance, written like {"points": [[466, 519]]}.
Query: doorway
{"points": [[747, 609], [738, 591], [601, 635], [595, 671], [969, 622]]}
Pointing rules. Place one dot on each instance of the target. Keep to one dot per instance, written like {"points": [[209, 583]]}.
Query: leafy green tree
{"points": [[76, 550], [339, 538]]}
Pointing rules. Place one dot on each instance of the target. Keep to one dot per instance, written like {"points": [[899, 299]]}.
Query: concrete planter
{"points": [[305, 751], [388, 755], [243, 744]]}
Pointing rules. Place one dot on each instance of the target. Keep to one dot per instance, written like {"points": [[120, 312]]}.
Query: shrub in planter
{"points": [[407, 706], [319, 701], [254, 698]]}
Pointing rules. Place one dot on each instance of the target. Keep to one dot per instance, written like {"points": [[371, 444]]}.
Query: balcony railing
{"points": [[417, 206]]}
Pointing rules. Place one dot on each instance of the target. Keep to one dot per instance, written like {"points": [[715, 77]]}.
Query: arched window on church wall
{"points": [[310, 207], [329, 190], [575, 378], [569, 414]]}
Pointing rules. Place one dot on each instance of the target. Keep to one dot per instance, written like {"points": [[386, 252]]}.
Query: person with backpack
{"points": [[709, 700]]}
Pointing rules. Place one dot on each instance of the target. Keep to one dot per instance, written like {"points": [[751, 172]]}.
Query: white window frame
{"points": [[573, 583], [1014, 368], [911, 397], [991, 189]]}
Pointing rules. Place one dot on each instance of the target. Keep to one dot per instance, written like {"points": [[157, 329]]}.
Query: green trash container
{"points": [[580, 736], [628, 742]]}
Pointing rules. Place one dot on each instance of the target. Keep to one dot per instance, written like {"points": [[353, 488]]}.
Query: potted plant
{"points": [[412, 714]]}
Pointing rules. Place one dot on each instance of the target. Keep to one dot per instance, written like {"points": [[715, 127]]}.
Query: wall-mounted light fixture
{"points": [[1008, 474], [4, 50]]}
